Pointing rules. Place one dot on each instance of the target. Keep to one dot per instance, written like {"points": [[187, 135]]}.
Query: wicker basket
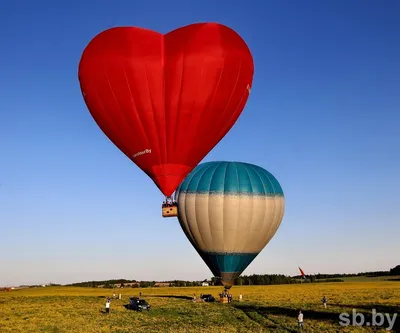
{"points": [[169, 211], [223, 300]]}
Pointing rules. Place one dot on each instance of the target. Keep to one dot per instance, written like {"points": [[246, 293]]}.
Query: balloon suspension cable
{"points": [[226, 287], [169, 201]]}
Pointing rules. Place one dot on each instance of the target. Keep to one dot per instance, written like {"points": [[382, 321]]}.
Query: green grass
{"points": [[264, 309], [369, 279]]}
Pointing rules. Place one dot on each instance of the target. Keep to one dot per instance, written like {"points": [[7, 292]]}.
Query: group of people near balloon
{"points": [[226, 294], [166, 100]]}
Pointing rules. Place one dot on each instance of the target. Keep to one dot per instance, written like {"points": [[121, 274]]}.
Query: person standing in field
{"points": [[108, 306], [324, 300], [300, 319], [240, 297]]}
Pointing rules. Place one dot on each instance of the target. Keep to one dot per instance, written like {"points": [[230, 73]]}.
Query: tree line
{"points": [[123, 283], [264, 279], [244, 280], [391, 272], [255, 279]]}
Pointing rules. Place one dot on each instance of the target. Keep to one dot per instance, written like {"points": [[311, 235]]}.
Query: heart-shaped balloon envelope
{"points": [[166, 100]]}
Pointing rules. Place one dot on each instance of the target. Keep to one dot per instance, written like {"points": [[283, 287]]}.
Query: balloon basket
{"points": [[169, 210], [223, 300]]}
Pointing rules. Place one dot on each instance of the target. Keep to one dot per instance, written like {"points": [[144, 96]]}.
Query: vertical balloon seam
{"points": [[268, 193], [261, 175], [239, 199], [214, 164], [195, 199], [224, 222], [218, 28], [212, 169], [222, 132], [252, 203], [150, 134], [208, 207], [121, 115], [206, 105], [99, 100], [279, 194], [101, 119], [164, 104], [147, 133], [238, 219], [186, 222], [234, 88], [174, 133], [156, 127], [188, 180], [259, 178], [103, 116], [228, 263], [222, 257], [193, 138], [186, 154], [252, 193], [274, 225], [135, 111], [187, 230]]}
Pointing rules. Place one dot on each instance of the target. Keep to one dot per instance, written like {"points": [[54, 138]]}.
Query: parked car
{"points": [[208, 298], [138, 304]]}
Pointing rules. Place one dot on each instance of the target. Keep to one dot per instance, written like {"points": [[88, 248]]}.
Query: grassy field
{"points": [[263, 309], [367, 278], [370, 279]]}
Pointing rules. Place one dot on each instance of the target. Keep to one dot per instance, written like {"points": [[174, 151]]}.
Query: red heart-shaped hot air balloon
{"points": [[166, 100]]}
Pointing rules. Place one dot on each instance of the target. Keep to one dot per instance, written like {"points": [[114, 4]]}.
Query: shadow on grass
{"points": [[379, 308], [288, 312], [172, 296], [332, 317]]}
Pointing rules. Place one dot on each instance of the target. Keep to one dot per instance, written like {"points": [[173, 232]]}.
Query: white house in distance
{"points": [[205, 284]]}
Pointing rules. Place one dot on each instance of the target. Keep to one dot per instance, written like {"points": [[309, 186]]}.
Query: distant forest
{"points": [[255, 279]]}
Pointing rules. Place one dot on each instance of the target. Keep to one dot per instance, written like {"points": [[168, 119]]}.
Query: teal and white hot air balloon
{"points": [[229, 211]]}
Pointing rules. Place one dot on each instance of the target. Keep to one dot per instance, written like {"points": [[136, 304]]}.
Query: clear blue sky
{"points": [[323, 117]]}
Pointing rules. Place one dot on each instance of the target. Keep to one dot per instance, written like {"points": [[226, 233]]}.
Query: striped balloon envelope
{"points": [[229, 211]]}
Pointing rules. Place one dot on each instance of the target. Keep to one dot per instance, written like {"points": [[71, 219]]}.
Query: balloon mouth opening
{"points": [[227, 282]]}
